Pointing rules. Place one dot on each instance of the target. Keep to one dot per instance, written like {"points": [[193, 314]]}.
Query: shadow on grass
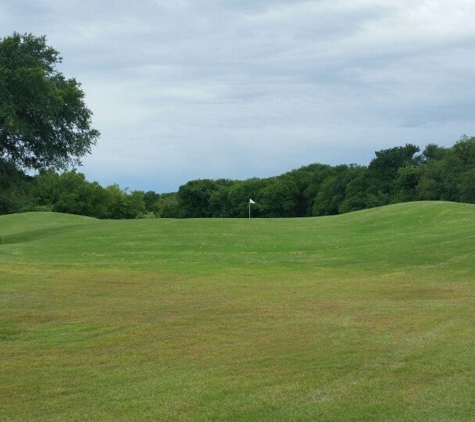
{"points": [[30, 235]]}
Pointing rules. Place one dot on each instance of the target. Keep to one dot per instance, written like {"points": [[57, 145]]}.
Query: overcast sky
{"points": [[184, 90]]}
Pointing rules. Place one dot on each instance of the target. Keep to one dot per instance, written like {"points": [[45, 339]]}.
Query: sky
{"points": [[207, 89]]}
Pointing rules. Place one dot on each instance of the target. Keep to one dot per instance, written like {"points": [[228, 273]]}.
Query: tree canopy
{"points": [[44, 121]]}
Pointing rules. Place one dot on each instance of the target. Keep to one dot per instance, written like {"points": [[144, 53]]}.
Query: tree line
{"points": [[398, 174], [45, 127], [394, 175]]}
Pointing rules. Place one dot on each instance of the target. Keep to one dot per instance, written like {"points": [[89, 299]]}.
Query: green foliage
{"points": [[151, 199], [379, 184], [124, 205], [333, 191], [448, 174], [194, 197], [355, 193], [15, 188], [70, 193], [240, 193], [395, 175], [44, 121], [167, 206], [277, 198], [309, 180], [405, 185]]}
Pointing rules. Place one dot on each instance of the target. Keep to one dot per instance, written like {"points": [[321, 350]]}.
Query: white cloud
{"points": [[196, 89]]}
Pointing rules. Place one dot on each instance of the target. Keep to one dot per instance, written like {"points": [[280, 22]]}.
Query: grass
{"points": [[364, 316]]}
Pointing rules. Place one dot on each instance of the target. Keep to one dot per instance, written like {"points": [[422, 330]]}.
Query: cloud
{"points": [[210, 89]]}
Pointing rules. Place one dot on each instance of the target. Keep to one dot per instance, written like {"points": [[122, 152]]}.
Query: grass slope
{"points": [[364, 316]]}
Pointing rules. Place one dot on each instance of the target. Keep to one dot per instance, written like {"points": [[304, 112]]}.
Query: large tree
{"points": [[44, 121]]}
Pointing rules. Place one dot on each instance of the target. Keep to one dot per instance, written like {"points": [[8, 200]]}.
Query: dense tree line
{"points": [[398, 174], [70, 192]]}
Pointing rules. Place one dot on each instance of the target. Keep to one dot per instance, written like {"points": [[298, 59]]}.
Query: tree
{"points": [[458, 164], [332, 191], [219, 204], [70, 192], [383, 169], [194, 197], [44, 121], [408, 178], [278, 198], [15, 189], [151, 199], [309, 180], [355, 192], [433, 152], [136, 202], [167, 206], [239, 195], [125, 205], [432, 183]]}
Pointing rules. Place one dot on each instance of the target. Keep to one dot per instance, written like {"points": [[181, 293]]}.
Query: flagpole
{"points": [[250, 202]]}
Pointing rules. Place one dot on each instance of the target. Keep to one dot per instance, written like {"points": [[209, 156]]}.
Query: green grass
{"points": [[360, 317]]}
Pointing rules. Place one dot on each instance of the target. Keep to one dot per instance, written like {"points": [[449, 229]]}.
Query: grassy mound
{"points": [[364, 316]]}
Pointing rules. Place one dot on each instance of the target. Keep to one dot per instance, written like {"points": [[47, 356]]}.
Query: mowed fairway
{"points": [[364, 316]]}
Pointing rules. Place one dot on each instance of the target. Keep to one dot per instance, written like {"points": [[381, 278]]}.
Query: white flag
{"points": [[251, 201]]}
